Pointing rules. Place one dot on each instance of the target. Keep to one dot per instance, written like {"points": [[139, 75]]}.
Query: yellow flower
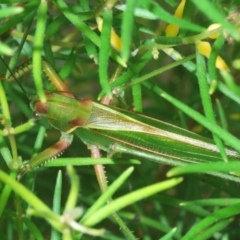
{"points": [[114, 38], [213, 27], [172, 30], [205, 49]]}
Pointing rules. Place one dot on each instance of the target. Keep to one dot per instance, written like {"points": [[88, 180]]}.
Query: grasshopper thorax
{"points": [[62, 112]]}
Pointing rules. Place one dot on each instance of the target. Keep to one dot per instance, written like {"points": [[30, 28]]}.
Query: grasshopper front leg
{"points": [[48, 154]]}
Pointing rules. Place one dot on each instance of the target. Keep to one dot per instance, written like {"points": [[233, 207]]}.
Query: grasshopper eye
{"points": [[36, 115]]}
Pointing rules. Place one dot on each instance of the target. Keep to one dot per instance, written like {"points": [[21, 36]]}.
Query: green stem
{"points": [[6, 193], [19, 217], [8, 124], [154, 73]]}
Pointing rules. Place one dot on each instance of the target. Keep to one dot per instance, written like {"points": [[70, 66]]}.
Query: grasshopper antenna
{"points": [[11, 72]]}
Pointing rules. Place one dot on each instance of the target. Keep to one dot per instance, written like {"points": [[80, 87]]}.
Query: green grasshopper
{"points": [[115, 130]]}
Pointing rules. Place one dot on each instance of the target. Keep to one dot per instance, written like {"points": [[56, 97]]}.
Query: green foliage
{"points": [[162, 77]]}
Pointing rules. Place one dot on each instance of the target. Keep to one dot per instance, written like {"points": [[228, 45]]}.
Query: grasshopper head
{"points": [[62, 112]]}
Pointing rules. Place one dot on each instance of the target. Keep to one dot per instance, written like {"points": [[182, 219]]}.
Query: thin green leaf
{"points": [[10, 11], [129, 199], [56, 208], [104, 52], [209, 167], [35, 231], [206, 101], [108, 193], [127, 28], [216, 217], [38, 45]]}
